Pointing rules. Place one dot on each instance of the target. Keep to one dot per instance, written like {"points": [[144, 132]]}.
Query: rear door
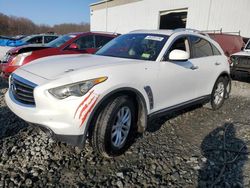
{"points": [[208, 60]]}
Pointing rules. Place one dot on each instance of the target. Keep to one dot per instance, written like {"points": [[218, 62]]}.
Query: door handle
{"points": [[194, 67], [217, 63]]}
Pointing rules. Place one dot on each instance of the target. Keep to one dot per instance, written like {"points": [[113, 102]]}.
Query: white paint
{"points": [[172, 83], [230, 15], [3, 51]]}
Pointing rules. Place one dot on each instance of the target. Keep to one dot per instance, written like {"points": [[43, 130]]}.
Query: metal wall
{"points": [[230, 15]]}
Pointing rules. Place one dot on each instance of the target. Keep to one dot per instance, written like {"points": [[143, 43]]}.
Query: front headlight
{"points": [[77, 89], [18, 60]]}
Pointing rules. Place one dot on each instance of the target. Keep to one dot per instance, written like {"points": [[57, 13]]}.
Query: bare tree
{"points": [[11, 25]]}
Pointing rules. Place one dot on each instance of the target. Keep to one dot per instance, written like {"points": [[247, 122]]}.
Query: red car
{"points": [[73, 43]]}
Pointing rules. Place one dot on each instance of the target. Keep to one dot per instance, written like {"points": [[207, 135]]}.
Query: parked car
{"points": [[229, 43], [110, 95], [73, 43], [40, 39], [3, 41], [241, 62]]}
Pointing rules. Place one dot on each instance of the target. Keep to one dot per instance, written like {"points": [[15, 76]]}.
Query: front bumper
{"points": [[74, 140], [57, 119]]}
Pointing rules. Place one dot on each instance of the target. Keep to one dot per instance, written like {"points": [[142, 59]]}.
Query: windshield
{"points": [[60, 41], [248, 46], [135, 46]]}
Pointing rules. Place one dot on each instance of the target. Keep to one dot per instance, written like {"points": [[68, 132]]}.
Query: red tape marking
{"points": [[86, 114], [83, 102], [86, 106]]}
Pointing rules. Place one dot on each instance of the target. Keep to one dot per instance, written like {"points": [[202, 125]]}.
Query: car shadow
{"points": [[155, 124], [10, 124], [225, 157], [3, 84]]}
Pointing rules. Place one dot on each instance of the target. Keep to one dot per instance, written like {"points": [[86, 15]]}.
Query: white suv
{"points": [[111, 95]]}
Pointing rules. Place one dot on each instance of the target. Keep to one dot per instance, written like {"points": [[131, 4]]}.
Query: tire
{"points": [[218, 94], [109, 140]]}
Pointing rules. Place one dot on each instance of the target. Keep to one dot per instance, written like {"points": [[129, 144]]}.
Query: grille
{"points": [[22, 90], [243, 61]]}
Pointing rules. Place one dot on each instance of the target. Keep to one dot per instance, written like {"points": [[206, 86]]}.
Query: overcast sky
{"points": [[48, 11]]}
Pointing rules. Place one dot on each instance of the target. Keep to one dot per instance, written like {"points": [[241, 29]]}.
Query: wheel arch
{"points": [[137, 97]]}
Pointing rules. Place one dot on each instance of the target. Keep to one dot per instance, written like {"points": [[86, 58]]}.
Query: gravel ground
{"points": [[194, 148]]}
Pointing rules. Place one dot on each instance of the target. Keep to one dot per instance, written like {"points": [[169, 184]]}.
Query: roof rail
{"points": [[221, 32], [191, 30], [186, 29]]}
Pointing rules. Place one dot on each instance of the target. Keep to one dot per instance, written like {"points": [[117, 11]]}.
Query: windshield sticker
{"points": [[145, 55], [155, 38]]}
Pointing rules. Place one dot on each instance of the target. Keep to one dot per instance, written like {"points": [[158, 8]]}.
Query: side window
{"points": [[200, 47], [179, 44], [100, 41], [35, 40], [48, 39], [215, 50], [85, 42]]}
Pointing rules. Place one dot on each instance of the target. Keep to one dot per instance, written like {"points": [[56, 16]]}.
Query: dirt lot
{"points": [[194, 148]]}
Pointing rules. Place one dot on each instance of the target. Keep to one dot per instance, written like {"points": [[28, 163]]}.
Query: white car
{"points": [[110, 95], [240, 62]]}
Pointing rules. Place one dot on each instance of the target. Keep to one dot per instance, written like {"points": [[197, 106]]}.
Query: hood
{"points": [[26, 48], [242, 53], [54, 67]]}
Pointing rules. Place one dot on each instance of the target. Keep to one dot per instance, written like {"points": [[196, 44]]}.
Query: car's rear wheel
{"points": [[114, 127], [218, 94]]}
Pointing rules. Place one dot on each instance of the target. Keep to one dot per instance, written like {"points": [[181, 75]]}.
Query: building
{"points": [[122, 16]]}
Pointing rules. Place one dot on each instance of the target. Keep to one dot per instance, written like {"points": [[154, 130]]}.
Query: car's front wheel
{"points": [[114, 127]]}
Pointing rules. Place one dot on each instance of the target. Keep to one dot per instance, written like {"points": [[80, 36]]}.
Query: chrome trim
{"points": [[22, 90], [18, 78]]}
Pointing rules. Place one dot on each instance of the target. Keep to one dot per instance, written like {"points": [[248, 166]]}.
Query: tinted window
{"points": [[47, 39], [135, 46], [36, 40], [248, 45], [100, 41], [200, 47], [85, 42], [215, 50]]}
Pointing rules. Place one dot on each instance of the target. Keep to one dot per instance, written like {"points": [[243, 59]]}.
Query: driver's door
{"points": [[177, 79]]}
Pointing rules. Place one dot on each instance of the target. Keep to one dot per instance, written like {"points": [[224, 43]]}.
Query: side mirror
{"points": [[179, 55], [73, 46]]}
